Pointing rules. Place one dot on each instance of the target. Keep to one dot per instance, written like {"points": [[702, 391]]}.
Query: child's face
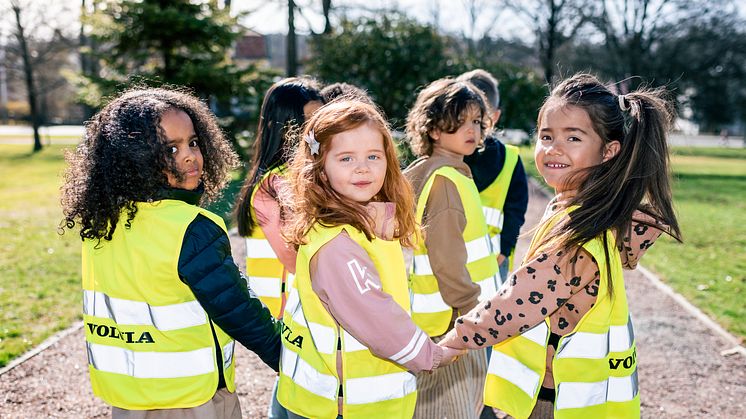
{"points": [[567, 143], [466, 138], [355, 163], [183, 144]]}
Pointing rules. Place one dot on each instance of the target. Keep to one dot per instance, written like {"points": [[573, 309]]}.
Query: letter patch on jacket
{"points": [[361, 277]]}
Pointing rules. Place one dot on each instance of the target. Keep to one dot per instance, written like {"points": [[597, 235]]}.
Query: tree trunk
{"points": [[327, 7], [28, 71], [292, 54]]}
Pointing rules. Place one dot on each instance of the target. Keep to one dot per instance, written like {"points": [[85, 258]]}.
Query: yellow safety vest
{"points": [[595, 366], [150, 344], [493, 200], [429, 311], [266, 274], [309, 383]]}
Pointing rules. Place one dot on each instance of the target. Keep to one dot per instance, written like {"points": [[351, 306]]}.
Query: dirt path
{"points": [[682, 372]]}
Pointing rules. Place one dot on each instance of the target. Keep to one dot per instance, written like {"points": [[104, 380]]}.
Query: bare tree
{"points": [[292, 51], [555, 22], [28, 70], [326, 6]]}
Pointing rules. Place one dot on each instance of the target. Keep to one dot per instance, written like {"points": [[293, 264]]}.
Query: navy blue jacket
{"points": [[206, 266], [485, 166]]}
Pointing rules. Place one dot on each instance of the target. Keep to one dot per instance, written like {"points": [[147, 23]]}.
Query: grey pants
{"points": [[223, 405]]}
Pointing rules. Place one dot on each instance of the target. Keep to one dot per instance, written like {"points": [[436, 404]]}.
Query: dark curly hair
{"points": [[123, 159]]}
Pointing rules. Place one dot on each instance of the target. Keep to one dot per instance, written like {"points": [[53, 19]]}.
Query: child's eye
{"points": [[194, 143], [374, 157], [573, 139], [545, 138], [346, 159], [173, 149]]}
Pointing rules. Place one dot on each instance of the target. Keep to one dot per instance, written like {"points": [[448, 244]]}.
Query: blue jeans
{"points": [[276, 410]]}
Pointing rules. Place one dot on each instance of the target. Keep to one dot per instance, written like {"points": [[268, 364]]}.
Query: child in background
{"points": [[269, 261], [498, 173], [345, 91], [348, 339], [454, 265], [564, 340], [163, 299]]}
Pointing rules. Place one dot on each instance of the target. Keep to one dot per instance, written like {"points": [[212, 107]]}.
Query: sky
{"points": [[270, 16]]}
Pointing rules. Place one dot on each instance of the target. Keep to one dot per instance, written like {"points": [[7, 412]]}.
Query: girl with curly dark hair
{"points": [[163, 299]]}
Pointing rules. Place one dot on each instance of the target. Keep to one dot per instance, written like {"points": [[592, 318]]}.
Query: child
{"points": [[163, 299], [345, 91], [454, 266], [269, 261], [498, 173], [572, 346], [348, 338]]}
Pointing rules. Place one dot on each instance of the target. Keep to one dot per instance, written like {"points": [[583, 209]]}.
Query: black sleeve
{"points": [[206, 266], [514, 209]]}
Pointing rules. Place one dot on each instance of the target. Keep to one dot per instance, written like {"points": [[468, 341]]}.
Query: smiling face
{"points": [[355, 164], [568, 143], [183, 145], [465, 139]]}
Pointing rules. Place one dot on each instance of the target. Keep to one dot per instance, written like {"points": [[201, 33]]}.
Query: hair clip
{"points": [[622, 99], [313, 145]]}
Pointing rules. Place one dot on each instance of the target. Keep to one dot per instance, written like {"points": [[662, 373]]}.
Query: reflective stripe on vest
{"points": [[170, 317], [594, 368], [123, 361], [264, 270], [372, 387], [493, 198], [143, 325], [429, 310]]}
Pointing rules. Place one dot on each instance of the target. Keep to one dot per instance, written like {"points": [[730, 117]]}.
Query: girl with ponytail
{"points": [[564, 342]]}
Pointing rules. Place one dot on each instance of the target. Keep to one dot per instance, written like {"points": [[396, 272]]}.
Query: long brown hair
{"points": [[310, 197], [637, 178]]}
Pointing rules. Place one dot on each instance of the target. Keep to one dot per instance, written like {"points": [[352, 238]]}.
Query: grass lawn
{"points": [[710, 199], [39, 269]]}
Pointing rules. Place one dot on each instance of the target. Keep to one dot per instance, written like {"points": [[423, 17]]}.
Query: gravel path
{"points": [[681, 370]]}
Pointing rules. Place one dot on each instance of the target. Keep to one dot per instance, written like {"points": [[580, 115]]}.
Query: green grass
{"points": [[709, 269], [39, 269]]}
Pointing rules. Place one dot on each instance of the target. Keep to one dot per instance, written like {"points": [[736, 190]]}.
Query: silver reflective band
{"points": [[128, 312], [597, 345], [495, 241], [488, 288], [379, 388], [572, 395], [475, 250], [228, 354], [265, 286], [428, 303], [259, 249], [621, 338], [493, 217], [412, 349], [537, 334], [323, 337], [515, 372], [304, 375], [150, 364]]}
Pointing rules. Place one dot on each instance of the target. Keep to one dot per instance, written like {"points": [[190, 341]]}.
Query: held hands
{"points": [[450, 355], [500, 259], [383, 214]]}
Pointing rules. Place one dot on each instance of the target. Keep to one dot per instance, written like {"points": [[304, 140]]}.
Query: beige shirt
{"points": [[443, 224]]}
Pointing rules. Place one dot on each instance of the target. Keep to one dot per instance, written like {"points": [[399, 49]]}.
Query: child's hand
{"points": [[450, 355], [383, 214]]}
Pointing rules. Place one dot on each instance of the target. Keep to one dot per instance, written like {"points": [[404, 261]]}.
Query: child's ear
{"points": [[611, 149], [434, 134]]}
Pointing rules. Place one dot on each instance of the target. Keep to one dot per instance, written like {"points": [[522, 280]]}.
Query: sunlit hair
{"points": [[281, 115], [637, 178], [124, 156], [442, 105], [310, 198]]}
